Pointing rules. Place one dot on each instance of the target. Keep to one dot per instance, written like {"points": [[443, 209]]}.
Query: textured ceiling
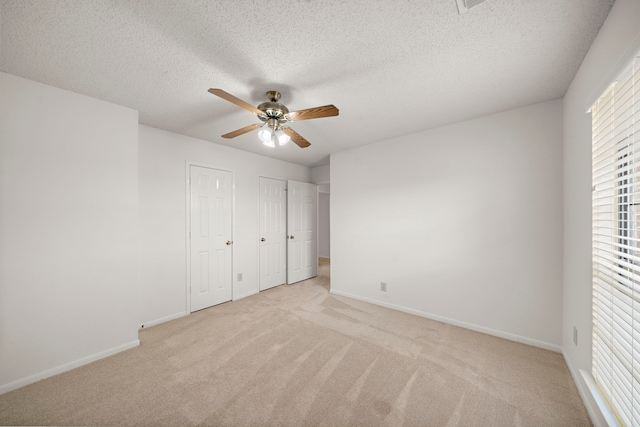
{"points": [[391, 67]]}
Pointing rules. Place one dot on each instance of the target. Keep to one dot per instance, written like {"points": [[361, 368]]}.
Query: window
{"points": [[616, 245]]}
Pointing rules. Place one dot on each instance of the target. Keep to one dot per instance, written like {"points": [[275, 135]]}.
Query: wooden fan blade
{"points": [[295, 137], [314, 113], [242, 131], [239, 102]]}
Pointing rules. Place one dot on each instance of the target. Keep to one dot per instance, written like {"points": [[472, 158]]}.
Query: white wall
{"points": [[617, 40], [162, 175], [321, 174], [463, 223], [68, 214]]}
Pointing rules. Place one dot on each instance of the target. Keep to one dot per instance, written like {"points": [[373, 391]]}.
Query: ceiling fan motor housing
{"points": [[273, 112]]}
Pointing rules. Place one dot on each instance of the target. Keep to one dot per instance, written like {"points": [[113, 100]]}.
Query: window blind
{"points": [[616, 244]]}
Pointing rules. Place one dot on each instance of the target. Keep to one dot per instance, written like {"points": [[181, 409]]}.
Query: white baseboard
{"points": [[164, 319], [184, 313], [5, 388], [477, 328], [248, 294]]}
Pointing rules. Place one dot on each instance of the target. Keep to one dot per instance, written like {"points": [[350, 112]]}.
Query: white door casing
{"points": [[211, 193], [302, 258], [273, 233]]}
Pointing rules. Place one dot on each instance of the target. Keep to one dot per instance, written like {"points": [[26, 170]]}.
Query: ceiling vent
{"points": [[465, 5]]}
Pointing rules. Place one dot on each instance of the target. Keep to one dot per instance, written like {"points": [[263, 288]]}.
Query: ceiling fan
{"points": [[273, 116]]}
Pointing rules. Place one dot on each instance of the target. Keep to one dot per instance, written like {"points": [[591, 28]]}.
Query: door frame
{"points": [[187, 237]]}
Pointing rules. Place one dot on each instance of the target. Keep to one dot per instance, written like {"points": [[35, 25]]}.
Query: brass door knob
{"points": [[263, 239], [229, 242], [291, 237]]}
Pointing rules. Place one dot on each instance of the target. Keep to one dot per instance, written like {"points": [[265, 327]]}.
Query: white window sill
{"points": [[605, 411]]}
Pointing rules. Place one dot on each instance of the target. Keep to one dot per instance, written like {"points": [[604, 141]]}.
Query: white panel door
{"points": [[210, 270], [302, 258], [273, 233]]}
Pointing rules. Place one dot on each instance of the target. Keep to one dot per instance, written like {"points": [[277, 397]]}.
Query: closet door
{"points": [[273, 233], [210, 237]]}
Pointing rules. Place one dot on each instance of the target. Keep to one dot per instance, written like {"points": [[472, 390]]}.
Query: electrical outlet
{"points": [[383, 286], [239, 277], [575, 335]]}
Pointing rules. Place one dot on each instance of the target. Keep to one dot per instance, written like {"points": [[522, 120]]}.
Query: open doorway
{"points": [[324, 236], [324, 226], [321, 175]]}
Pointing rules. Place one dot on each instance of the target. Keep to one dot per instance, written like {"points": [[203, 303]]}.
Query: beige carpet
{"points": [[297, 356]]}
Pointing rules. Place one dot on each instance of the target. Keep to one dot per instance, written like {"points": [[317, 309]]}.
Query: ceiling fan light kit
{"points": [[273, 116], [269, 137], [266, 136], [283, 138]]}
